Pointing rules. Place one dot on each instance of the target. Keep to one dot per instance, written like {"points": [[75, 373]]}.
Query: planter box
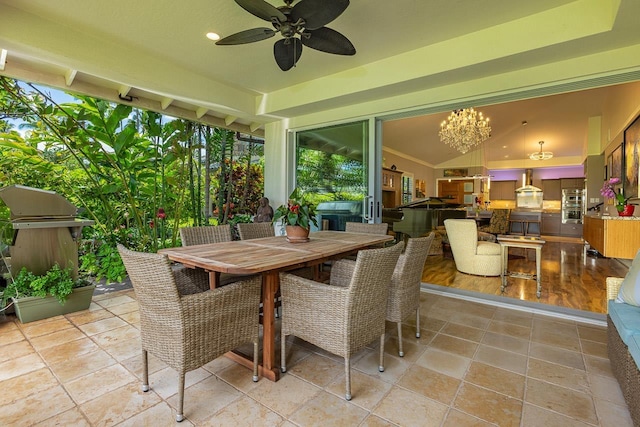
{"points": [[30, 309]]}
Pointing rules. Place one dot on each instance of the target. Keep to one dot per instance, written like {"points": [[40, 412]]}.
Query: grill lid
{"points": [[27, 202]]}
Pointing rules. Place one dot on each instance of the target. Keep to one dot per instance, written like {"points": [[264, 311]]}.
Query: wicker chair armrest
{"points": [[239, 299], [342, 272], [310, 298], [613, 286]]}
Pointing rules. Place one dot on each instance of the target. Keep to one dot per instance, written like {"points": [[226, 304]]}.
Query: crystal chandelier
{"points": [[464, 129], [541, 155]]}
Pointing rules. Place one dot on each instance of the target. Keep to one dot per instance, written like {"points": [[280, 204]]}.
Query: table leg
{"points": [[270, 284], [214, 279], [538, 276], [504, 253]]}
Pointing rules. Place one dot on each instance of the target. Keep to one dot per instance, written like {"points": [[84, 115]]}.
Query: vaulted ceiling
{"points": [[154, 54]]}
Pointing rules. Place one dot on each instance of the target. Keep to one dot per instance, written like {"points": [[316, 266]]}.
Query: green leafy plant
{"points": [[56, 282], [104, 262], [297, 211]]}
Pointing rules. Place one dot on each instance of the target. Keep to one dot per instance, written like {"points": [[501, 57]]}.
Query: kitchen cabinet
{"points": [[571, 230], [551, 224], [572, 183], [551, 189], [503, 190], [454, 191], [391, 188], [613, 237]]}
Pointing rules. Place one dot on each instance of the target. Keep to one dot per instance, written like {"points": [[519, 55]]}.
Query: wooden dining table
{"points": [[269, 256]]}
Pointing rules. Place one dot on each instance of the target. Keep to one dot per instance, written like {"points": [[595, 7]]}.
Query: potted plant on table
{"points": [[297, 215], [37, 297], [609, 192]]}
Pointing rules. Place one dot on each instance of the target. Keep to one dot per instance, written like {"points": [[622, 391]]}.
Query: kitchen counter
{"points": [[614, 217]]}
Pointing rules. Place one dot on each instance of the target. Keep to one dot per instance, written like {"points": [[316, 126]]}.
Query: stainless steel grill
{"points": [[338, 213], [45, 229]]}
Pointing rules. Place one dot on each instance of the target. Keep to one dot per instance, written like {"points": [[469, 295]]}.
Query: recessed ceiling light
{"points": [[213, 36], [504, 146]]}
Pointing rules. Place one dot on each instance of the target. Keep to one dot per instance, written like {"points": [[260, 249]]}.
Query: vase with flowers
{"points": [[297, 216], [608, 191]]}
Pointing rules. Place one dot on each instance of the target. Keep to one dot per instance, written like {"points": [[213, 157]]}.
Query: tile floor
{"points": [[474, 365]]}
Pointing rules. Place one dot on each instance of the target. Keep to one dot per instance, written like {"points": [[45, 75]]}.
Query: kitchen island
{"points": [[613, 236]]}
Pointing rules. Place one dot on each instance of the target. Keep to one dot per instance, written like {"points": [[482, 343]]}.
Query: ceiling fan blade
{"points": [[287, 52], [327, 40], [247, 36], [262, 9], [318, 13]]}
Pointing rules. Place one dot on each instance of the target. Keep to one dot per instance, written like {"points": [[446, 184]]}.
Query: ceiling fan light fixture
{"points": [[541, 155], [213, 36], [302, 24]]}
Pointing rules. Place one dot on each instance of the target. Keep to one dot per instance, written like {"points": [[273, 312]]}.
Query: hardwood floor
{"points": [[569, 279]]}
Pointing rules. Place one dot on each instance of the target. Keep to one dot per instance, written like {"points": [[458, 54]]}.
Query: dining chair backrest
{"points": [[255, 230], [205, 234], [408, 272], [368, 291], [360, 227], [404, 289]]}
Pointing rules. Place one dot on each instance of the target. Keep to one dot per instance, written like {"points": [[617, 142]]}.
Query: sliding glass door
{"points": [[336, 168]]}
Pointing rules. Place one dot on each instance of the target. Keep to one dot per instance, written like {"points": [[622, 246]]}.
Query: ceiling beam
{"points": [[15, 71], [3, 58], [165, 102], [123, 90], [69, 77], [230, 119], [201, 111]]}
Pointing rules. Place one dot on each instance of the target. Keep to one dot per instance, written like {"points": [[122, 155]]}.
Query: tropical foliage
{"points": [[140, 175]]}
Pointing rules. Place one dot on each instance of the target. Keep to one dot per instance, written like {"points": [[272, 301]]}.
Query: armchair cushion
{"points": [[626, 318], [487, 248], [630, 289]]}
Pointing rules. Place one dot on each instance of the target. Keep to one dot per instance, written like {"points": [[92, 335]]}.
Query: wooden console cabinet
{"points": [[613, 238], [391, 188]]}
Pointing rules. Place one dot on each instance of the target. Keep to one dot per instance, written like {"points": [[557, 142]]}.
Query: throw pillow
{"points": [[630, 289]]}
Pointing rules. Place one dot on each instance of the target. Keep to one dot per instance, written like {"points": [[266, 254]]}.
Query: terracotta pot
{"points": [[627, 211], [297, 234]]}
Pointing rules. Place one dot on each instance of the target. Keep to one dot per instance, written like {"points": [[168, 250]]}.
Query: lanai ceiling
{"points": [[154, 53]]}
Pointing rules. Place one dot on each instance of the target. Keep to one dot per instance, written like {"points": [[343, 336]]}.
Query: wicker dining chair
{"points": [[361, 227], [185, 327], [404, 289], [347, 314], [255, 230], [208, 234], [205, 234]]}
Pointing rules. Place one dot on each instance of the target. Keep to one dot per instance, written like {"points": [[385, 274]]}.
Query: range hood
{"points": [[528, 187]]}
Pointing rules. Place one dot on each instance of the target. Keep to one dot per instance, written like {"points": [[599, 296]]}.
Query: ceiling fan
{"points": [[302, 24]]}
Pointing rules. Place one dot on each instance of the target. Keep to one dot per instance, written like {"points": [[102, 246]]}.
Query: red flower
{"points": [[161, 214], [151, 223], [294, 208]]}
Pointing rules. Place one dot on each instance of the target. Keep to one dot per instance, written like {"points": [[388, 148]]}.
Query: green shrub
{"points": [[56, 282]]}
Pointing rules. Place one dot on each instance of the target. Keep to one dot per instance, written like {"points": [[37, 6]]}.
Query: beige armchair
{"points": [[185, 327], [404, 289], [347, 314], [470, 255]]}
